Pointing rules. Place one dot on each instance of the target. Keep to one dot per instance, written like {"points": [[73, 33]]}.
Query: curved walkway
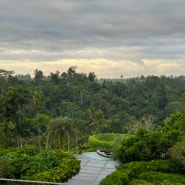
{"points": [[94, 168]]}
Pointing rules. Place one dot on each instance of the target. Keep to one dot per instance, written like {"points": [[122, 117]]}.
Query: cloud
{"points": [[122, 33], [167, 67]]}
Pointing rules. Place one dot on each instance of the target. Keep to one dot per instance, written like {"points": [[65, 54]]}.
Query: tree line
{"points": [[62, 109]]}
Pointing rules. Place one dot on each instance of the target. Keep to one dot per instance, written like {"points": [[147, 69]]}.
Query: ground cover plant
{"points": [[155, 172], [30, 163]]}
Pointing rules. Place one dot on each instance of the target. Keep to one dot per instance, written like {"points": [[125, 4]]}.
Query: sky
{"points": [[111, 38]]}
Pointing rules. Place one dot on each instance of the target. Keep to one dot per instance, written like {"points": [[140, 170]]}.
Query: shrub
{"points": [[146, 146], [102, 141], [116, 178], [43, 165], [68, 167], [162, 178], [44, 160], [133, 170], [139, 182], [30, 150], [177, 152], [6, 167]]}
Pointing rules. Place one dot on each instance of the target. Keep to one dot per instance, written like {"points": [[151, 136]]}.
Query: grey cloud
{"points": [[155, 26]]}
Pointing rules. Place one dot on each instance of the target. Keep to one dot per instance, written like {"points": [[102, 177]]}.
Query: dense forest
{"points": [[77, 104], [62, 110]]}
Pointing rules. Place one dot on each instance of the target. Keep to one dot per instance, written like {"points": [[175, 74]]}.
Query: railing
{"points": [[28, 181]]}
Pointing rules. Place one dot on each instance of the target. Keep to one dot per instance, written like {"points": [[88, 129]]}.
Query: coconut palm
{"points": [[59, 132], [97, 120], [38, 102]]}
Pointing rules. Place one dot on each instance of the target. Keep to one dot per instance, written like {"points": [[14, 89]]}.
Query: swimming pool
{"points": [[95, 156]]}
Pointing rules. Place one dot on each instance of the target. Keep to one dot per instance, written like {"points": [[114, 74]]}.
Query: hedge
{"points": [[103, 141], [127, 172]]}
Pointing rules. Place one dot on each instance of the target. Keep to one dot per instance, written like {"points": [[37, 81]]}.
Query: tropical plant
{"points": [[31, 163], [59, 132]]}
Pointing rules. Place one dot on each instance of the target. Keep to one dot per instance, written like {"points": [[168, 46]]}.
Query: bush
{"points": [[68, 167], [4, 151], [6, 167], [133, 170], [166, 166], [177, 152], [30, 150], [43, 165], [139, 182], [19, 159], [44, 160], [146, 146], [103, 141], [116, 178], [162, 178]]}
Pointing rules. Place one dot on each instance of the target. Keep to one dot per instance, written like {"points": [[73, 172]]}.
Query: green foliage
{"points": [[163, 178], [97, 120], [6, 167], [29, 150], [113, 106], [6, 133], [145, 145], [60, 131], [134, 170], [44, 160], [68, 167], [116, 178], [134, 148], [4, 151], [177, 152], [19, 159], [173, 121], [116, 103], [43, 165], [139, 182], [103, 141]]}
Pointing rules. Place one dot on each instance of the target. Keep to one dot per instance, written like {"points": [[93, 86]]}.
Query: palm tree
{"points": [[97, 120], [38, 102], [59, 132]]}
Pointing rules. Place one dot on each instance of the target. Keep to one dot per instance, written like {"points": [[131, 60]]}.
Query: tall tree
{"points": [[38, 76], [71, 71], [97, 120], [60, 131], [92, 77], [5, 73], [17, 99], [38, 101], [55, 77]]}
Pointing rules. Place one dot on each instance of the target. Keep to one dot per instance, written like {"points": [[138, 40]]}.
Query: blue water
{"points": [[95, 156]]}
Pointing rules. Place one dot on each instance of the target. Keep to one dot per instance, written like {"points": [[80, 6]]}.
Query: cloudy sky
{"points": [[108, 37]]}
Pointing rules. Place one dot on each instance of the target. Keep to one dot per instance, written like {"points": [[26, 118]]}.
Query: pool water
{"points": [[95, 156]]}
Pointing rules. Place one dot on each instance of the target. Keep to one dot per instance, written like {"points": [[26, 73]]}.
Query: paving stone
{"points": [[93, 170]]}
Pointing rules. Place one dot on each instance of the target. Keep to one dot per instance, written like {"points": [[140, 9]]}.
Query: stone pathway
{"points": [[92, 171]]}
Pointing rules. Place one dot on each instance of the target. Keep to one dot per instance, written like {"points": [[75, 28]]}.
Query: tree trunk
{"points": [[68, 142], [38, 131]]}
